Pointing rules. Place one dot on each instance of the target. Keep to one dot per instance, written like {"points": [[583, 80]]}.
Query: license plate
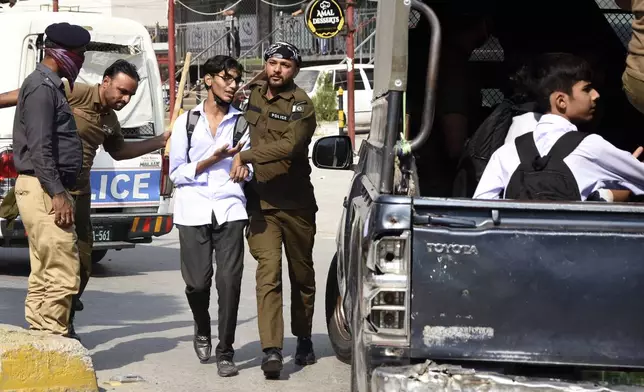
{"points": [[102, 234]]}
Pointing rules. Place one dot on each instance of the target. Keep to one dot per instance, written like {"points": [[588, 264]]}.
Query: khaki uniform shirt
{"points": [[96, 126], [635, 58], [281, 129]]}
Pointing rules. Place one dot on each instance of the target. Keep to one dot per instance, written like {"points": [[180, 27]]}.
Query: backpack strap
{"points": [[241, 124], [567, 144], [526, 148], [529, 154], [191, 122], [240, 128]]}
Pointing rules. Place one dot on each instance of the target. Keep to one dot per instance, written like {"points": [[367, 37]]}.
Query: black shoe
{"points": [[226, 368], [203, 346], [77, 304], [304, 354], [272, 363], [71, 331]]}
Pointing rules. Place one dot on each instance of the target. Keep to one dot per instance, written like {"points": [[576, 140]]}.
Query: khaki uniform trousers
{"points": [[634, 89], [267, 231], [53, 256]]}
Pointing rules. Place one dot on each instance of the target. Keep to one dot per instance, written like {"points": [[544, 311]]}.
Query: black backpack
{"points": [[487, 138], [191, 121], [547, 177]]}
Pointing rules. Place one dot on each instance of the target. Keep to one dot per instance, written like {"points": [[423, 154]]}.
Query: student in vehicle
{"points": [[563, 91]]}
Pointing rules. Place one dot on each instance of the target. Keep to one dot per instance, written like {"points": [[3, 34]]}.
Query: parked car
{"points": [[309, 77]]}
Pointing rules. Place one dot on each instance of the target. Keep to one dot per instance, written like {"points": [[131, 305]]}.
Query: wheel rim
{"points": [[340, 320]]}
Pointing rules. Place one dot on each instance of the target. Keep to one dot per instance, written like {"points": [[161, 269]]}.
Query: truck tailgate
{"points": [[504, 281]]}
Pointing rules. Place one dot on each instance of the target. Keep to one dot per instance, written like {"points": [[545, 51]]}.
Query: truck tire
{"points": [[336, 325], [97, 255]]}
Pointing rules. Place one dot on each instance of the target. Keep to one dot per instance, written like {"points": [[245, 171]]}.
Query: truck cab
{"points": [[435, 293], [130, 198]]}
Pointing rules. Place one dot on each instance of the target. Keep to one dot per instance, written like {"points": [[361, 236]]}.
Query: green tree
{"points": [[325, 100]]}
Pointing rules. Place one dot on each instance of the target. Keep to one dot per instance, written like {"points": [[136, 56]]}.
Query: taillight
{"points": [[8, 173], [166, 184]]}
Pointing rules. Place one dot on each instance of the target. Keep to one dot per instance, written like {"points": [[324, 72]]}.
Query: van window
{"points": [[341, 79], [306, 79], [137, 118]]}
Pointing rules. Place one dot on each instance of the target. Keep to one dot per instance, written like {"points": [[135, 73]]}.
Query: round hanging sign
{"points": [[324, 18]]}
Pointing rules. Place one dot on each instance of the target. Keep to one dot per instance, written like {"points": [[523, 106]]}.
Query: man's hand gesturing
{"points": [[239, 171]]}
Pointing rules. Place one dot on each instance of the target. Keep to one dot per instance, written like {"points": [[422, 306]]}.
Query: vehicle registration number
{"points": [[102, 234]]}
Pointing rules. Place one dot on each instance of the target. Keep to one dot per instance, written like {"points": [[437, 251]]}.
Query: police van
{"points": [[130, 198]]}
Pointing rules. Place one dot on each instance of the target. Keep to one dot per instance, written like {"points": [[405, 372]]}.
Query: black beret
{"points": [[67, 35]]}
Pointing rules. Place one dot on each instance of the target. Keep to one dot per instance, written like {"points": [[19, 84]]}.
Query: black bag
{"points": [[547, 177], [487, 138], [191, 121]]}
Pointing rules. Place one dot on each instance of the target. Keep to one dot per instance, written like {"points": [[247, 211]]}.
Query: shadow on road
{"points": [[250, 355], [15, 262], [136, 350]]}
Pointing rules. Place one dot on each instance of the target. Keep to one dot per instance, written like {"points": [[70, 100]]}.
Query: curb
{"points": [[35, 361]]}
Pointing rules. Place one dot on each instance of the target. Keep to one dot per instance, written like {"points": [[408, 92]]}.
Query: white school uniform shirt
{"points": [[212, 191], [595, 163], [521, 125]]}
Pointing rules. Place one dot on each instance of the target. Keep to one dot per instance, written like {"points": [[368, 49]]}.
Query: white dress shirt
{"points": [[198, 196], [595, 163], [521, 125]]}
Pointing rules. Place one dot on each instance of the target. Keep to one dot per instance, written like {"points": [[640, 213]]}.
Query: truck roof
{"points": [[39, 20], [17, 28]]}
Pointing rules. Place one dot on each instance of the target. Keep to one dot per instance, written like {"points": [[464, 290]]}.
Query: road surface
{"points": [[137, 321]]}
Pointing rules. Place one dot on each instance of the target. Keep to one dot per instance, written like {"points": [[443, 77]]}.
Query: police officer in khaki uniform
{"points": [[97, 123], [48, 157], [281, 204], [633, 76]]}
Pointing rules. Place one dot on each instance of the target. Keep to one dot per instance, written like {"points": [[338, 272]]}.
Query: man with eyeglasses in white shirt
{"points": [[210, 207]]}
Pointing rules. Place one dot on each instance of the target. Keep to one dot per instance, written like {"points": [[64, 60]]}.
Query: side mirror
{"points": [[333, 152]]}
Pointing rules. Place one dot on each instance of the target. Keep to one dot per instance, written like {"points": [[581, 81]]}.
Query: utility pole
{"points": [[351, 123], [171, 55], [55, 5]]}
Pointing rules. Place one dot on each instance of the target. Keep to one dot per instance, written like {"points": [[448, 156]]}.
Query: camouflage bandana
{"points": [[283, 50]]}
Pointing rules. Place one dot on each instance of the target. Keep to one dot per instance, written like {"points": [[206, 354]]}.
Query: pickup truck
{"points": [[130, 198], [455, 294]]}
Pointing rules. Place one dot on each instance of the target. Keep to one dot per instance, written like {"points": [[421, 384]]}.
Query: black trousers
{"points": [[197, 244]]}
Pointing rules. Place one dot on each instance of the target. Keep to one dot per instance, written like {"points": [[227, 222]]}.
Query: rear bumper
{"points": [[126, 229], [430, 377]]}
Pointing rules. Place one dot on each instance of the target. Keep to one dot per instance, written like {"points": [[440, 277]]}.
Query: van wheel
{"points": [[98, 255], [335, 321]]}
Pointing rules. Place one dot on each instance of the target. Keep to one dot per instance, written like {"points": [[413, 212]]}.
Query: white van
{"points": [[308, 78], [127, 205]]}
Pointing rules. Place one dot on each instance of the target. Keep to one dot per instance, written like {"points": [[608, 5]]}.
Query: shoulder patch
{"points": [[298, 107]]}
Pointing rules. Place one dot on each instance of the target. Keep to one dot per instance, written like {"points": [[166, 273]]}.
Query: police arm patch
{"points": [[298, 107]]}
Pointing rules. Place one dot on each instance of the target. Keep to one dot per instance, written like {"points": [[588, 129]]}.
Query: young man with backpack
{"points": [[555, 161], [210, 206]]}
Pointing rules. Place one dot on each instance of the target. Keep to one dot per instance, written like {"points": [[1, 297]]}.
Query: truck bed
{"points": [[532, 283]]}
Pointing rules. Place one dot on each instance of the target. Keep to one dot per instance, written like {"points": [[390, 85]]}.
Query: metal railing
{"points": [[197, 37], [370, 42]]}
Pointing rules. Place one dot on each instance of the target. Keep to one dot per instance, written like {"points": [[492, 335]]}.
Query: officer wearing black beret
{"points": [[67, 36], [48, 158]]}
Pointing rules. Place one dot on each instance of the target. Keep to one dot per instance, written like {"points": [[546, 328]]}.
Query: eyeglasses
{"points": [[229, 79]]}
